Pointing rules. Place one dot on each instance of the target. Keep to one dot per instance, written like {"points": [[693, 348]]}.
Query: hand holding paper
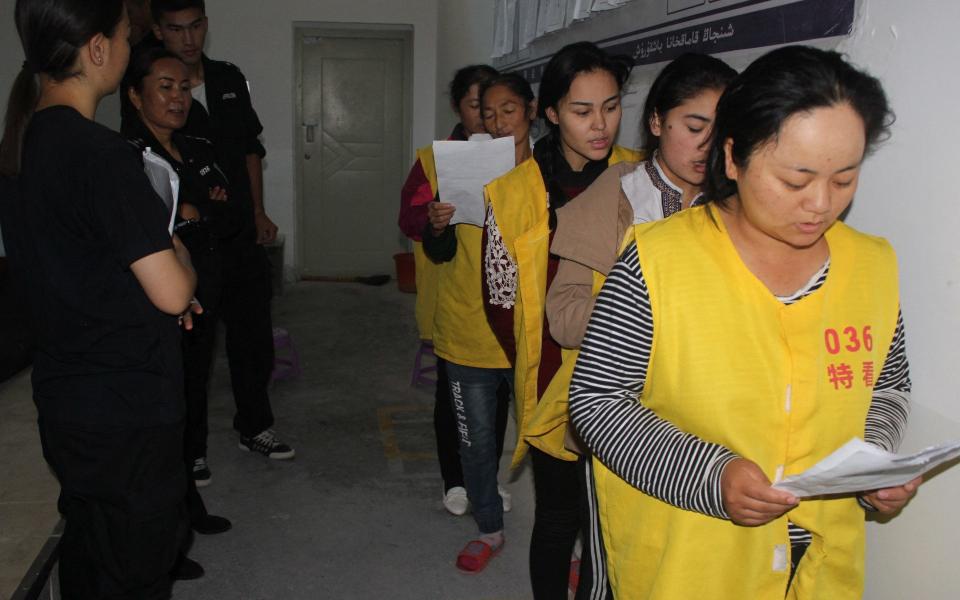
{"points": [[463, 168], [858, 467]]}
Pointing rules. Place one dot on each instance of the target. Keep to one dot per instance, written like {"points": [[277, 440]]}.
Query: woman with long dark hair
{"points": [[419, 190], [579, 99], [742, 341], [88, 239], [591, 231]]}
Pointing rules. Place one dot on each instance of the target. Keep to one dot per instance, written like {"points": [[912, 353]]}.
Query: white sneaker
{"points": [[455, 501], [506, 497]]}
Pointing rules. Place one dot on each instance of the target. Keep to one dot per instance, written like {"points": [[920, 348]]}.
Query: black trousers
{"points": [[244, 309], [121, 498], [561, 513], [445, 428]]}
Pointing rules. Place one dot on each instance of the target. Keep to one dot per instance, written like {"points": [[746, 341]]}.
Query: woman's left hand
{"points": [[890, 500]]}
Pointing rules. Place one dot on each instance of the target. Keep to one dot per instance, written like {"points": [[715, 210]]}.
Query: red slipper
{"points": [[574, 580], [475, 556]]}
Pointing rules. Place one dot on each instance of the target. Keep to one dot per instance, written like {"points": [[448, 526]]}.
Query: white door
{"points": [[354, 115]]}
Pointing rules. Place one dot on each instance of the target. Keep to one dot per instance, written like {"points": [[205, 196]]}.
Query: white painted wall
{"points": [[258, 37], [907, 195], [465, 36]]}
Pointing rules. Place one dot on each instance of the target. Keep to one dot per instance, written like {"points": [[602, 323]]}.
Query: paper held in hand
{"points": [[463, 168], [165, 182], [859, 467]]}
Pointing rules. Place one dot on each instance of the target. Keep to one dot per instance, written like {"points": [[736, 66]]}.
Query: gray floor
{"points": [[357, 514]]}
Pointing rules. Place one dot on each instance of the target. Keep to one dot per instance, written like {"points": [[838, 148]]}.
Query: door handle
{"points": [[311, 132]]}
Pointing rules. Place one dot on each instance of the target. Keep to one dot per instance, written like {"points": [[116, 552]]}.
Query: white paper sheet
{"points": [[463, 168], [577, 10], [165, 182], [607, 4], [858, 466], [527, 21], [504, 27], [550, 16]]}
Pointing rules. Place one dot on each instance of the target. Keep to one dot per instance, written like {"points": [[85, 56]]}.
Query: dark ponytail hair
{"points": [[465, 78], [558, 76], [682, 79], [778, 85], [51, 33], [513, 82]]}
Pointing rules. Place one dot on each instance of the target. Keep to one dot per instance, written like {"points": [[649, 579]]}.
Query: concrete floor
{"points": [[28, 492], [357, 514]]}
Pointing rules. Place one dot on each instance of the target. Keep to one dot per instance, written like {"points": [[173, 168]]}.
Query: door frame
{"points": [[383, 31]]}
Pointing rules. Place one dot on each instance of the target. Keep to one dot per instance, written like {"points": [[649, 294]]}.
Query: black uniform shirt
{"points": [[84, 212], [230, 122], [199, 173]]}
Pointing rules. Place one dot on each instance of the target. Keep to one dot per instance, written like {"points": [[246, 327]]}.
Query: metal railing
{"points": [[40, 582]]}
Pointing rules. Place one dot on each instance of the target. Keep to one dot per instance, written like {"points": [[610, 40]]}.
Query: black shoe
{"points": [[210, 524], [201, 472], [267, 444], [186, 569]]}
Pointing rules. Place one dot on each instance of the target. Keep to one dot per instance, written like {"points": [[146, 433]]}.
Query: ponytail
{"points": [[51, 33], [20, 107]]}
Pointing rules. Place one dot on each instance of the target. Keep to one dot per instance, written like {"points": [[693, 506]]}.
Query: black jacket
{"points": [[231, 124]]}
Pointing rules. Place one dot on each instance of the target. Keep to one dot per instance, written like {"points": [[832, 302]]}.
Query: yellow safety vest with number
{"points": [[427, 272], [782, 386], [519, 201]]}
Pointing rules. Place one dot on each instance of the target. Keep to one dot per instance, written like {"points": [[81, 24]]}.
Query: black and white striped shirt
{"points": [[651, 453]]}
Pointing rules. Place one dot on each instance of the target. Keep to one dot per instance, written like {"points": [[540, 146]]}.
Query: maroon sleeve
{"points": [[414, 197], [500, 318]]}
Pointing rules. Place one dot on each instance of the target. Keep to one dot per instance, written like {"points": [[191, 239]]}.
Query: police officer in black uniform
{"points": [[222, 112], [156, 87]]}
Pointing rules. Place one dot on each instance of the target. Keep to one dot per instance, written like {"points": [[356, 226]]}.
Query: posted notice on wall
{"points": [[859, 467], [463, 168]]}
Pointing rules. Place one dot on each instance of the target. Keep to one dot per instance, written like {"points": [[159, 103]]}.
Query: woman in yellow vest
{"points": [[579, 98], [740, 342], [592, 231], [418, 191], [476, 363]]}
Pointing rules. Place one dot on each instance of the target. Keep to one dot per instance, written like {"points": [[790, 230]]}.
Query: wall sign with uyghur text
{"points": [[749, 24]]}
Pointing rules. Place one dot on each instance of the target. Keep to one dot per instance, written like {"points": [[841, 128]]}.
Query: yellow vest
{"points": [[461, 332], [427, 272], [519, 201], [782, 386]]}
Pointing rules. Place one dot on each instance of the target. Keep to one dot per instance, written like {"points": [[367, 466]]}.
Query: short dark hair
{"points": [[513, 82], [158, 7], [141, 63], [682, 79], [465, 78], [778, 85]]}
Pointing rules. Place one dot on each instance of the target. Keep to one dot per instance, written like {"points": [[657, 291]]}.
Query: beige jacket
{"points": [[590, 230]]}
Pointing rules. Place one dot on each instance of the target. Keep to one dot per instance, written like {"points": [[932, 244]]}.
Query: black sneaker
{"points": [[201, 472], [267, 444]]}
